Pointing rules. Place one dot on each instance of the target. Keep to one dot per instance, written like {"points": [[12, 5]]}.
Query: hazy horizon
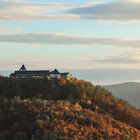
{"points": [[101, 76]]}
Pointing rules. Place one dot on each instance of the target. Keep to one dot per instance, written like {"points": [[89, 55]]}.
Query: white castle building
{"points": [[24, 73]]}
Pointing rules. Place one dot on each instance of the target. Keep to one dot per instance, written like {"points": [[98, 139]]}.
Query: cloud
{"points": [[51, 62], [66, 39], [39, 62], [21, 10], [27, 11], [135, 1], [125, 59], [10, 30], [121, 10], [129, 56]]}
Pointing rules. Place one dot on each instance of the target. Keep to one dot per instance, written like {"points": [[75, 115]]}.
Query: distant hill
{"points": [[129, 91]]}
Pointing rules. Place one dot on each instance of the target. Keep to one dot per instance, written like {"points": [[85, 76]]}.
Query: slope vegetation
{"points": [[45, 120], [64, 109]]}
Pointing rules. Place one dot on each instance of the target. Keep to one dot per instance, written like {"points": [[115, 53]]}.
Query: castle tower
{"points": [[23, 68]]}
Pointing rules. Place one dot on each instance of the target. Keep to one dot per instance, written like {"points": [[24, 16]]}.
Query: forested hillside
{"points": [[39, 109]]}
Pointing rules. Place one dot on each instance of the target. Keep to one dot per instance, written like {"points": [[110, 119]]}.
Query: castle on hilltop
{"points": [[24, 73]]}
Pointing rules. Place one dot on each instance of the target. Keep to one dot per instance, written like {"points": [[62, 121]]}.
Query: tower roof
{"points": [[23, 68], [56, 71]]}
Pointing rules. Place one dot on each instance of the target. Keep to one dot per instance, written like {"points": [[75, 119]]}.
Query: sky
{"points": [[70, 34]]}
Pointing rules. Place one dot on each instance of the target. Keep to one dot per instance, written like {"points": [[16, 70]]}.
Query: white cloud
{"points": [[39, 62], [134, 1], [122, 11], [50, 61], [66, 39], [28, 11], [21, 10], [10, 30], [125, 59]]}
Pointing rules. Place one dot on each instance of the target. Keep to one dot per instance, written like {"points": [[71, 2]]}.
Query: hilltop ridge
{"points": [[64, 109]]}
